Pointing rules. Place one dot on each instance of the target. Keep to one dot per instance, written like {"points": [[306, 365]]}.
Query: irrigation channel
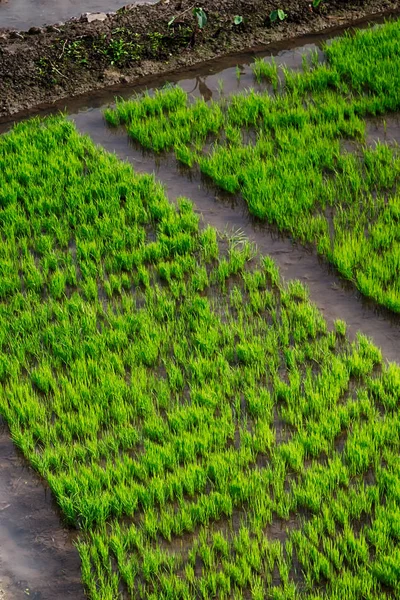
{"points": [[37, 559]]}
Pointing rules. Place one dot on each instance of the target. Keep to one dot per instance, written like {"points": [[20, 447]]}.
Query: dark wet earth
{"points": [[37, 558], [23, 14]]}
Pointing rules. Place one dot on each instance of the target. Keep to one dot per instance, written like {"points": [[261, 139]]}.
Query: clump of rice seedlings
{"points": [[340, 327], [266, 71], [166, 100]]}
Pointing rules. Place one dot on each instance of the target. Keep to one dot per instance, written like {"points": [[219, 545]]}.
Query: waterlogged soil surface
{"points": [[24, 14], [59, 62], [37, 558]]}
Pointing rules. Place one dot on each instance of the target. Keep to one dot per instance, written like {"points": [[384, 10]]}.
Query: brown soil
{"points": [[45, 65]]}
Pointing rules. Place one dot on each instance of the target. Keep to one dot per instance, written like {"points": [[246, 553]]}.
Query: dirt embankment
{"points": [[45, 65]]}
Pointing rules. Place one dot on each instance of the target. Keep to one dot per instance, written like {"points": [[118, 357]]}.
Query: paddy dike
{"points": [[45, 65]]}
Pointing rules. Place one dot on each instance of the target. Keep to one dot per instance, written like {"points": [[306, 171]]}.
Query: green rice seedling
{"points": [[267, 71], [340, 327]]}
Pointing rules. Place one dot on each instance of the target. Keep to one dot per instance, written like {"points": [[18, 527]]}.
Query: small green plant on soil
{"points": [[75, 50], [277, 15], [201, 17], [47, 71], [237, 20], [120, 52], [198, 13], [156, 41], [182, 403]]}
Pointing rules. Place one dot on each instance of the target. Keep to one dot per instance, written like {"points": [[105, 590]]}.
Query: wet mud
{"points": [[385, 130], [37, 556]]}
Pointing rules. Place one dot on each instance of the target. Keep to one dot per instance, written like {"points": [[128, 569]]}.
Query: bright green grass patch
{"points": [[296, 173], [182, 404]]}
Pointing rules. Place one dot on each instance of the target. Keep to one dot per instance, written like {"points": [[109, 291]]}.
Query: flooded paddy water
{"points": [[37, 557]]}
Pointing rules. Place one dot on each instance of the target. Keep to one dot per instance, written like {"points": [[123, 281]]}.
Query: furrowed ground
{"points": [[194, 418], [286, 150]]}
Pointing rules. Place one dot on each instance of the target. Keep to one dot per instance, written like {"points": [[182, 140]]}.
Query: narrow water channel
{"points": [[37, 558]]}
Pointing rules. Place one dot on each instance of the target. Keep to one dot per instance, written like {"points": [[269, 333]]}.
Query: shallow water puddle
{"points": [[23, 14], [37, 558], [233, 79], [385, 130]]}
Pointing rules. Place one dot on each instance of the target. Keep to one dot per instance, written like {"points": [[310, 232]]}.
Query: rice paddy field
{"points": [[287, 153], [201, 427]]}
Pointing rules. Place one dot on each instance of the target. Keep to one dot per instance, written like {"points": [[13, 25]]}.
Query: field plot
{"points": [[194, 418], [297, 152]]}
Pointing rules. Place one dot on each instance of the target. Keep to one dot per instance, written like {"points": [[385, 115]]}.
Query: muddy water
{"points": [[385, 130], [37, 558], [333, 296], [23, 14]]}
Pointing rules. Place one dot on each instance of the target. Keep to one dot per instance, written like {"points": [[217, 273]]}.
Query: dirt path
{"points": [[54, 63]]}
